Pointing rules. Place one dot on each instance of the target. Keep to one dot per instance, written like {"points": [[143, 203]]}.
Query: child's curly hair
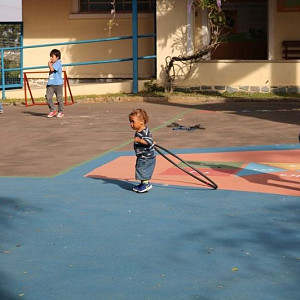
{"points": [[141, 114]]}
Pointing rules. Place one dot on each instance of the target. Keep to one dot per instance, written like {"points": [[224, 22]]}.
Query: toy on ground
{"points": [[208, 181], [177, 126]]}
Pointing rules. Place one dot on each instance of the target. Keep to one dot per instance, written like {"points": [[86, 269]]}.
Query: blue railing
{"points": [[134, 58]]}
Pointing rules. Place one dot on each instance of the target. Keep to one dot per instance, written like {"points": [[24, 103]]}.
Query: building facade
{"points": [[250, 59]]}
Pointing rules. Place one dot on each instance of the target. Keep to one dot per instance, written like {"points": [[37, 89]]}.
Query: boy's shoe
{"points": [[136, 187], [60, 115], [1, 111], [52, 114], [142, 188]]}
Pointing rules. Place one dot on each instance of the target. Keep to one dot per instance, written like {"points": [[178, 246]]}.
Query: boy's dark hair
{"points": [[55, 52]]}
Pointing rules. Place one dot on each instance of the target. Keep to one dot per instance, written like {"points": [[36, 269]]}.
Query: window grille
{"points": [[122, 6]]}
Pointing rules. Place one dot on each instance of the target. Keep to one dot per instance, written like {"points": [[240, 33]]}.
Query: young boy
{"points": [[144, 150], [55, 84]]}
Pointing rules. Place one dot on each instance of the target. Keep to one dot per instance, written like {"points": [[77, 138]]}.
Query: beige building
{"points": [[250, 59]]}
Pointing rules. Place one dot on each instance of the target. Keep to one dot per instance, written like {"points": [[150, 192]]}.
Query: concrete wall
{"points": [[54, 21], [171, 32], [247, 76], [286, 27]]}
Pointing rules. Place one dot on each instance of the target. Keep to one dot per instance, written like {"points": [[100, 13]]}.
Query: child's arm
{"points": [[141, 141]]}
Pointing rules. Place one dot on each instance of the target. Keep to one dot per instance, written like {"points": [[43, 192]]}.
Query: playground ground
{"points": [[71, 228]]}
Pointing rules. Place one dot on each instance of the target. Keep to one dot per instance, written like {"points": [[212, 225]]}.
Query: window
{"points": [[248, 38], [122, 6], [11, 36]]}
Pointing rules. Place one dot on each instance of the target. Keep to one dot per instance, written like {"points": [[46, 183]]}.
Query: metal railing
{"points": [[134, 58]]}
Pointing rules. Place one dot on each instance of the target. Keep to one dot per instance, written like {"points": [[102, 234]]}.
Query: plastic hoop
{"points": [[208, 182]]}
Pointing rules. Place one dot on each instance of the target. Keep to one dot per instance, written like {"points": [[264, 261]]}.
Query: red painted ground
{"points": [[275, 172]]}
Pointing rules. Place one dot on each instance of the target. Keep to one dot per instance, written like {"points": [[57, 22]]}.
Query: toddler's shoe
{"points": [[60, 114], [136, 187], [52, 114], [142, 188], [1, 111]]}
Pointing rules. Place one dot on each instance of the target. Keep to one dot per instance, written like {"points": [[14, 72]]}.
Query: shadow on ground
{"points": [[13, 214], [268, 110]]}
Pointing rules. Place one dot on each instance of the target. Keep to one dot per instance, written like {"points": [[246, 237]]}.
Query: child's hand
{"points": [[50, 64], [138, 140]]}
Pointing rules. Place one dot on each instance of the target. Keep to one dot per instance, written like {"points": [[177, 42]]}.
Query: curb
{"points": [[168, 99]]}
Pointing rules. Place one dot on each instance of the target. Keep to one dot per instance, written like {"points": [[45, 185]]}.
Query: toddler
{"points": [[144, 150]]}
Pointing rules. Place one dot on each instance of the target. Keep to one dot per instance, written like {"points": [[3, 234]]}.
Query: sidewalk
{"points": [[34, 145]]}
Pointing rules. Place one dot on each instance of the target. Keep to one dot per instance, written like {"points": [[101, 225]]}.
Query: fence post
{"points": [[135, 46], [2, 74]]}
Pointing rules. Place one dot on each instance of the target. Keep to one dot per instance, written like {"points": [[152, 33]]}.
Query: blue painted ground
{"points": [[71, 237]]}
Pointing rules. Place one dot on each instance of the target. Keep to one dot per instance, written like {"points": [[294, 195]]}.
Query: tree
{"points": [[217, 27], [10, 35]]}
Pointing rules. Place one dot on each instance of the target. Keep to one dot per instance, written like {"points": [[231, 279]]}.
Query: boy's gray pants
{"points": [[58, 91]]}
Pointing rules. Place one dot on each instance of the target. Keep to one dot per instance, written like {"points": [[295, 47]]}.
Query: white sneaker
{"points": [[60, 115], [52, 114], [1, 111]]}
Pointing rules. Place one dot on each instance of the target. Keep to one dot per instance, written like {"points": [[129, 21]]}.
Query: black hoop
{"points": [[208, 182]]}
